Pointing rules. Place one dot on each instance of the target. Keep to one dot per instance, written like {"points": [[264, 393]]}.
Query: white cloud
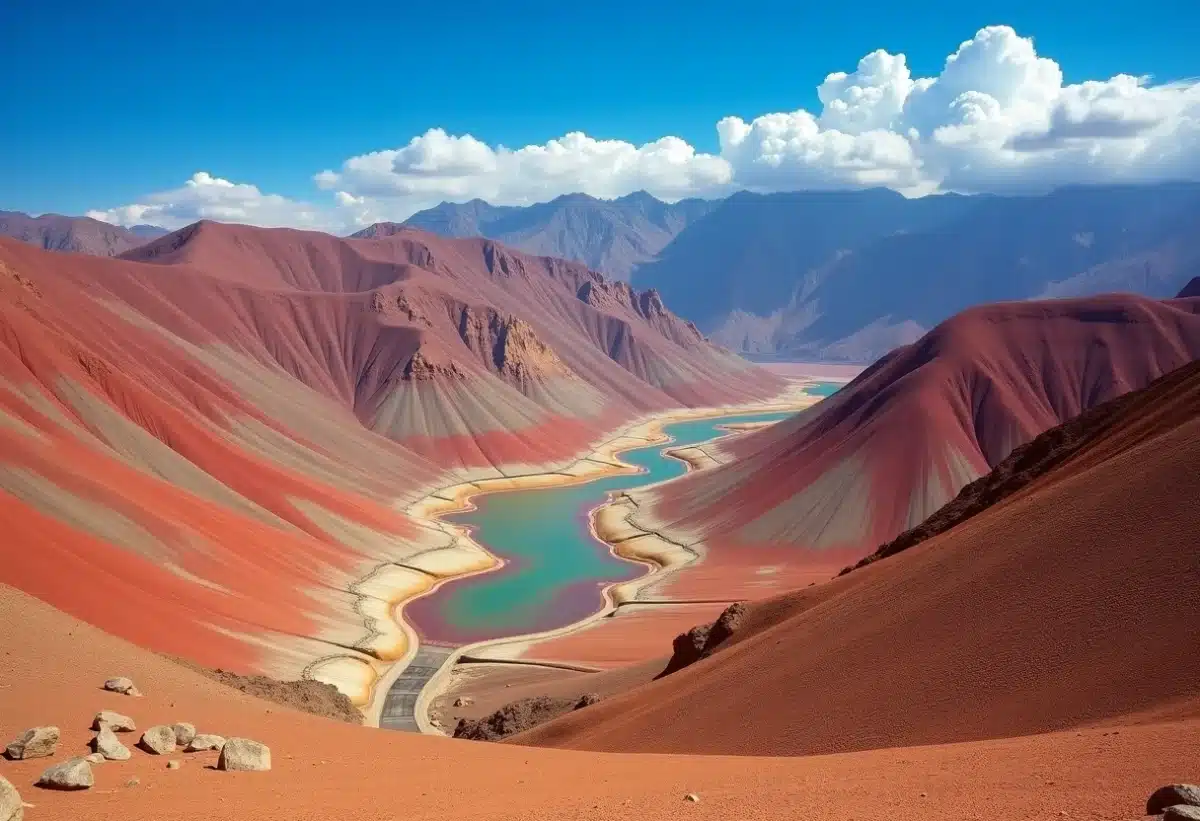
{"points": [[997, 118], [207, 197]]}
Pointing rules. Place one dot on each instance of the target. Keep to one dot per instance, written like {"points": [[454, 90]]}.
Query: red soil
{"points": [[1074, 602], [51, 671]]}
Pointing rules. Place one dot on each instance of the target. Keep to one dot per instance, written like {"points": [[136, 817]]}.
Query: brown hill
{"points": [[221, 430], [81, 235], [1072, 601], [825, 488]]}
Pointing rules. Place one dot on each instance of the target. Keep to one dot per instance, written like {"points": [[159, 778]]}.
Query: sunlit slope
{"points": [[830, 485], [1069, 601], [209, 453]]}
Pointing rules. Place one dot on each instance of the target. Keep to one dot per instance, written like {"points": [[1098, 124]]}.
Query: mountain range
{"points": [[81, 235]]}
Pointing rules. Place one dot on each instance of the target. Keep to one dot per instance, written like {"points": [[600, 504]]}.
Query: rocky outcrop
{"points": [[123, 686], [106, 744], [74, 774], [159, 740], [422, 368], [308, 696], [11, 806], [244, 755], [36, 742], [509, 345], [704, 640], [204, 741], [114, 721], [1171, 795], [1181, 812], [184, 733], [520, 716]]}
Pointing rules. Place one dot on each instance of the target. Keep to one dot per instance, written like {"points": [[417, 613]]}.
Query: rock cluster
{"points": [[1176, 802]]}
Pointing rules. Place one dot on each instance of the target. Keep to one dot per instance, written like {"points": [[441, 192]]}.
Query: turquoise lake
{"points": [[555, 569]]}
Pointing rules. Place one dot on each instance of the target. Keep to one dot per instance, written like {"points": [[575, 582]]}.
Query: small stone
{"points": [[122, 685], [1182, 812], [94, 758], [11, 806], [133, 782], [37, 742], [73, 774], [204, 741], [924, 795], [692, 797], [173, 765], [159, 740], [114, 721], [106, 744], [587, 700], [244, 754], [184, 733], [1171, 795], [463, 701]]}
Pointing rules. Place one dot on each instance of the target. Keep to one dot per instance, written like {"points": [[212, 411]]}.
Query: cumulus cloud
{"points": [[207, 197], [996, 118]]}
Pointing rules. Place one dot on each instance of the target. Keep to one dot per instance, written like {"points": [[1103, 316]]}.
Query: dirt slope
{"points": [[825, 488], [221, 430], [52, 669], [1075, 601]]}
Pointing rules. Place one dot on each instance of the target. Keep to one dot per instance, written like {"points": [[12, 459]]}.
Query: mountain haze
{"points": [[81, 235]]}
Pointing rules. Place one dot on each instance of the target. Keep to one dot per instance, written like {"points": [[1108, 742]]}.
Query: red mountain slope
{"points": [[825, 488], [207, 454], [1072, 601]]}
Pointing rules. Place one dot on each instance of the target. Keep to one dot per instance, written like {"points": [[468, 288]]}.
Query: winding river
{"points": [[554, 568]]}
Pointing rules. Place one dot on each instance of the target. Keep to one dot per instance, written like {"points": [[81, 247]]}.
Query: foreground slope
{"points": [[1072, 601], [220, 431], [81, 235], [51, 670], [826, 487]]}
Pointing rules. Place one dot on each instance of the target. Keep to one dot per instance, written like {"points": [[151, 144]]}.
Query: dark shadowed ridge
{"points": [[1190, 290], [80, 235]]}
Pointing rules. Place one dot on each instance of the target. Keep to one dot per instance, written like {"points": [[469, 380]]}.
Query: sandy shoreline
{"points": [[658, 555]]}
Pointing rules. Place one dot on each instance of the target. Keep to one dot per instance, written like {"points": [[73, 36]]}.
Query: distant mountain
{"points": [[851, 275], [611, 236], [80, 235], [1192, 289]]}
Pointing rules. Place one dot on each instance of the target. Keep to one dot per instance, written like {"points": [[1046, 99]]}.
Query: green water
{"points": [[554, 568]]}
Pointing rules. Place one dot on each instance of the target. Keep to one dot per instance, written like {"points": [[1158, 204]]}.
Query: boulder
{"points": [[159, 740], [184, 733], [106, 744], [244, 754], [204, 741], [1182, 812], [1171, 795], [37, 742], [114, 721], [73, 774], [11, 806], [122, 685]]}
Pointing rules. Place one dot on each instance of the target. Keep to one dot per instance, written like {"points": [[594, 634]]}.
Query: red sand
{"points": [[1075, 602], [52, 669]]}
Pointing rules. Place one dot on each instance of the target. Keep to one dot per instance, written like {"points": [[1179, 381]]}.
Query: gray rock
{"points": [[37, 742], [244, 754], [1171, 795], [1182, 812], [106, 744], [204, 741], [184, 733], [73, 774], [11, 806], [122, 685], [159, 740], [114, 721]]}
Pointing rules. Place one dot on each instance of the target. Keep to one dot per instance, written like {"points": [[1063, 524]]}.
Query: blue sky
{"points": [[109, 101]]}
